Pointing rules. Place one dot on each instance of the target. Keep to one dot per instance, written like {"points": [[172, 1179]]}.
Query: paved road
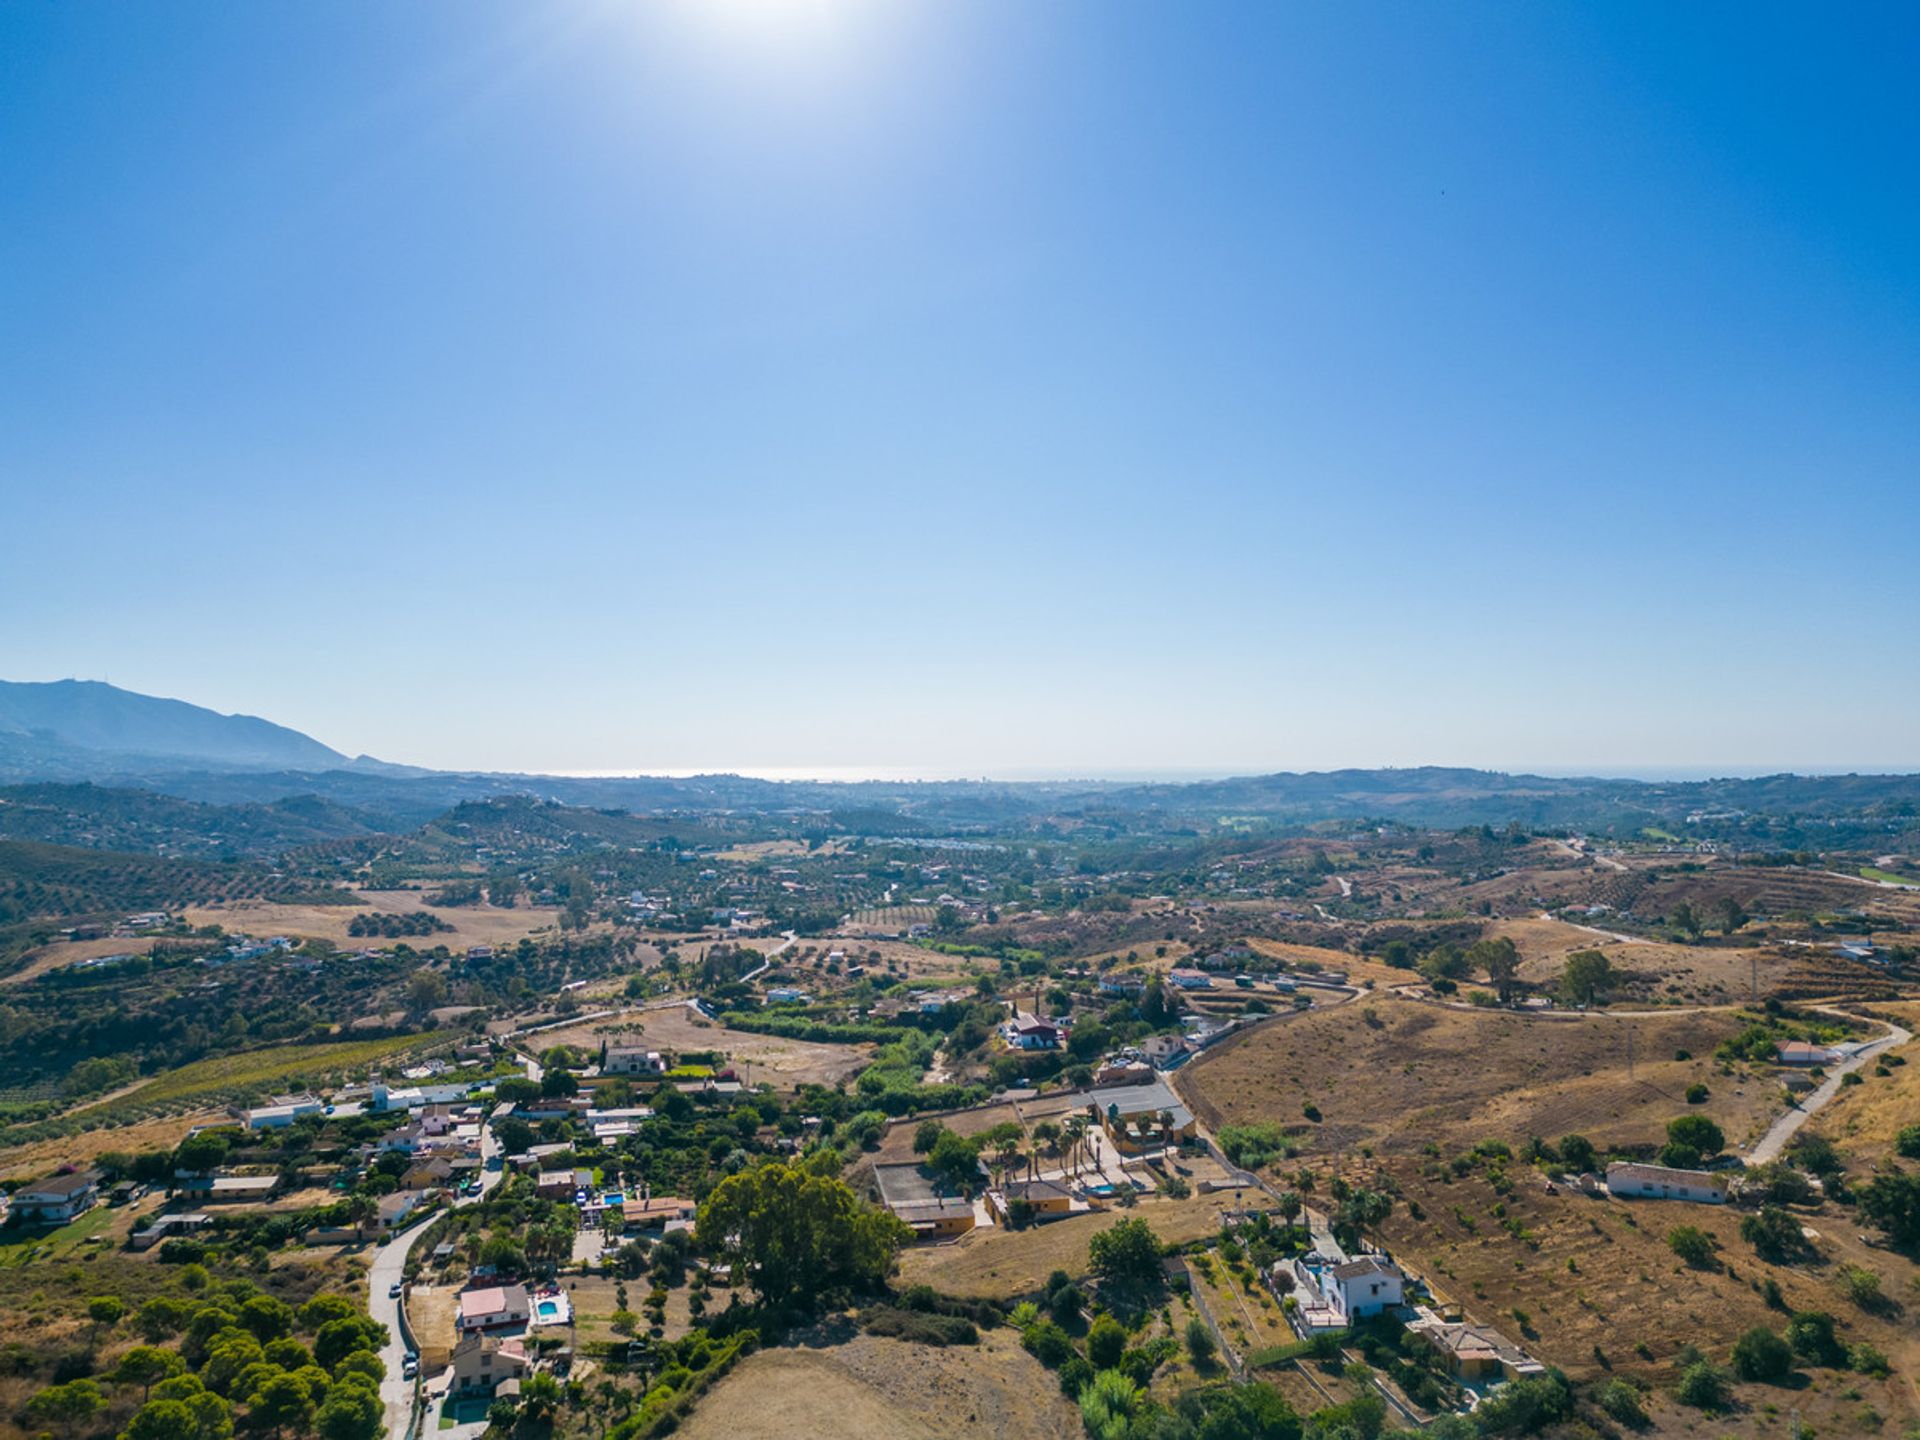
{"points": [[1783, 1129], [388, 1265]]}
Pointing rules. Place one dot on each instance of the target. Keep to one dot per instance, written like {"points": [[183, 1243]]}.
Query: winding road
{"points": [[389, 1265]]}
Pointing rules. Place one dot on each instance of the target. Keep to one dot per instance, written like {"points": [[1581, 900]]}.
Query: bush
{"points": [[1762, 1355], [1622, 1402], [1907, 1142], [1691, 1244], [1811, 1334], [1703, 1385], [1074, 1376], [1047, 1343], [1697, 1094], [1773, 1233], [1200, 1343], [1106, 1342], [919, 1326]]}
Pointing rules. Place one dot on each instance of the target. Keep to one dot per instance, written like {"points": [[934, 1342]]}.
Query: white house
{"points": [[1190, 979], [284, 1110], [58, 1198], [1363, 1287], [1799, 1052], [1628, 1180], [632, 1060], [497, 1307], [483, 1363]]}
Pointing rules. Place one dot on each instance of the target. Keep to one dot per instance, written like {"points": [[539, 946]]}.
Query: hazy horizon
{"points": [[837, 384]]}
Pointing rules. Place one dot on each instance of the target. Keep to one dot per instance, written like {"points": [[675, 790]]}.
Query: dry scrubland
{"points": [[770, 1059], [472, 924], [999, 1263], [1396, 1074], [876, 1389], [69, 952], [1702, 973], [42, 1157], [1863, 1119], [1595, 1278]]}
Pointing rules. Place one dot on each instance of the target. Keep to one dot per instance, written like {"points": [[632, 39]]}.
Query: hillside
{"points": [[110, 818], [78, 727]]}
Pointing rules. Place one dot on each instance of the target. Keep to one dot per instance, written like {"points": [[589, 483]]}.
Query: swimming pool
{"points": [[548, 1309]]}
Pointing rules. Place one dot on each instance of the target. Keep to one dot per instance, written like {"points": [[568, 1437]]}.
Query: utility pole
{"points": [[1629, 1050]]}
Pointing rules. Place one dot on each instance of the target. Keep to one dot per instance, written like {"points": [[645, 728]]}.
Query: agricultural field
{"points": [[472, 924], [892, 919], [870, 1388], [1396, 1074], [256, 1071], [61, 953], [762, 1059]]}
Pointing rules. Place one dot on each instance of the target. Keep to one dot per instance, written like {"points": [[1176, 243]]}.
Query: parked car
{"points": [[395, 1290]]}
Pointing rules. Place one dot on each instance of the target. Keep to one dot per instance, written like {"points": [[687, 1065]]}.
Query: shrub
{"points": [[1868, 1361], [1691, 1244], [1106, 1342], [1907, 1142], [1048, 1343], [1621, 1401], [1773, 1233], [1762, 1355], [1697, 1094], [1200, 1342], [1703, 1385]]}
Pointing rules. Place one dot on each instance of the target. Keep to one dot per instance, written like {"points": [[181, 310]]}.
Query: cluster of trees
{"points": [[231, 1357], [395, 927]]}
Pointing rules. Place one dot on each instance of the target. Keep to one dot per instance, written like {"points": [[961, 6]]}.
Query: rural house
{"points": [[59, 1198], [1628, 1180], [482, 1363], [497, 1307]]}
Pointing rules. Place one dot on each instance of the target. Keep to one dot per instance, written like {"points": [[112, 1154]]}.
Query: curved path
{"points": [[1783, 1129]]}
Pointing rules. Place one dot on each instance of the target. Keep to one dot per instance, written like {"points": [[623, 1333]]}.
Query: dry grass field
{"points": [[1359, 969], [472, 924], [43, 1157], [1863, 1119], [869, 1388], [767, 1059], [1594, 1279], [1695, 974], [71, 952], [1001, 1263], [1395, 1074]]}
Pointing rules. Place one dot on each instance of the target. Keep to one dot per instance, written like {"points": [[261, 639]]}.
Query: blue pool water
{"points": [[549, 1310]]}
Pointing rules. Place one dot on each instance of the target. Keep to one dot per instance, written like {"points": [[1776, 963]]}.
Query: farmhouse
{"points": [[657, 1212], [497, 1307], [1628, 1180], [1474, 1352], [910, 1195], [1335, 1292], [483, 1363], [1049, 1200], [1030, 1032], [1799, 1052], [59, 1198], [1190, 979], [234, 1189], [395, 1208], [282, 1112], [1137, 1117]]}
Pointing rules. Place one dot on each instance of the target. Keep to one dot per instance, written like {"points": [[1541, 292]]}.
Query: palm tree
{"points": [[1076, 1130]]}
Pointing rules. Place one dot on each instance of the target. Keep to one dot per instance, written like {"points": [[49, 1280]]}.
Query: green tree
{"points": [[67, 1406], [198, 1154], [283, 1403], [339, 1338], [1587, 977], [1891, 1200], [1732, 915], [1691, 1244], [1126, 1255], [1761, 1355], [361, 1362], [1108, 1404], [1577, 1153], [326, 1306], [796, 1234], [1773, 1233], [1703, 1385], [1815, 1338], [1907, 1142], [1697, 1133], [1500, 958], [162, 1316], [266, 1318], [161, 1420], [1106, 1342], [1200, 1343], [146, 1364], [350, 1412]]}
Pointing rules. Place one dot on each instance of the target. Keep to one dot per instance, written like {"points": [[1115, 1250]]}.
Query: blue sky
{"points": [[986, 388]]}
